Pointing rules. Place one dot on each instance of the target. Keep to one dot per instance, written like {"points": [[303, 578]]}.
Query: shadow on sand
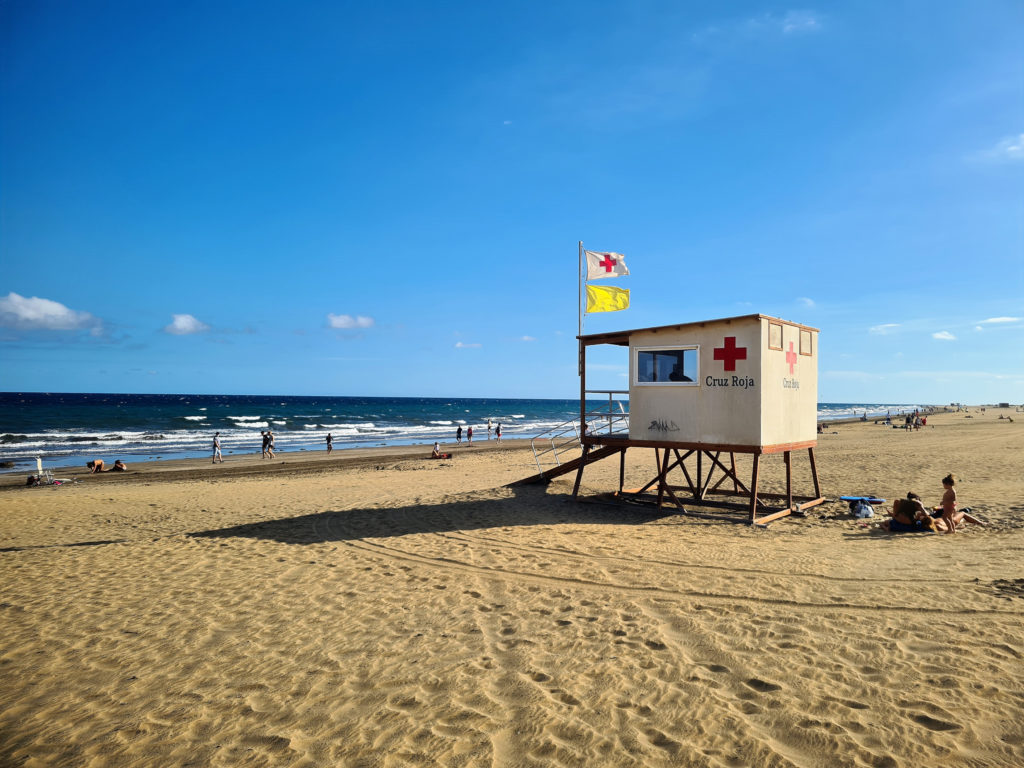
{"points": [[527, 506]]}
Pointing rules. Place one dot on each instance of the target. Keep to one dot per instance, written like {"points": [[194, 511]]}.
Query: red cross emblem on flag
{"points": [[791, 358], [608, 263], [730, 353]]}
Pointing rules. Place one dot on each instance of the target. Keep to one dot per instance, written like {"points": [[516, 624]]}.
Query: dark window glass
{"points": [[666, 366]]}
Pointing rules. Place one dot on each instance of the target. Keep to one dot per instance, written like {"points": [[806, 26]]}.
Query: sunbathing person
{"points": [[909, 516], [119, 466]]}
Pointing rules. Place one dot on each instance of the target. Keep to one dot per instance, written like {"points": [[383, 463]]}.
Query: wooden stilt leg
{"points": [[789, 479], [579, 472], [661, 478], [700, 476], [732, 466], [622, 469], [753, 490], [814, 474]]}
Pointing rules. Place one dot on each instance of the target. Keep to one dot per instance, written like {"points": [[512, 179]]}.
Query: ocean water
{"points": [[69, 429]]}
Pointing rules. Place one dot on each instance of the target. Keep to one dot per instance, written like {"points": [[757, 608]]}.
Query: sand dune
{"points": [[391, 611]]}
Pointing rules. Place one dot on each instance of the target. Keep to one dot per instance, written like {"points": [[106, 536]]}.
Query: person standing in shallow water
{"points": [[330, 443], [497, 432]]}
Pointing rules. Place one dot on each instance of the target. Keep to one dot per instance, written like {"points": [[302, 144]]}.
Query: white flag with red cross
{"points": [[605, 265]]}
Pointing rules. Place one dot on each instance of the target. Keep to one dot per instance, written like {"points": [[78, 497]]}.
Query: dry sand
{"points": [[387, 610]]}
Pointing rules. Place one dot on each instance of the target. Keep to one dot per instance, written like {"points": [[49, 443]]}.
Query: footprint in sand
{"points": [[762, 685], [934, 725], [565, 698], [660, 740]]}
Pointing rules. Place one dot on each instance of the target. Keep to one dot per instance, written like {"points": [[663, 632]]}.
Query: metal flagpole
{"points": [[579, 303]]}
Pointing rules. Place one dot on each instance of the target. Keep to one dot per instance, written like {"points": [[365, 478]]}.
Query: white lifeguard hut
{"points": [[701, 393]]}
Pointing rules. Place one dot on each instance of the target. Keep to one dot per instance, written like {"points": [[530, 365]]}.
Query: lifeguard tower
{"points": [[701, 393]]}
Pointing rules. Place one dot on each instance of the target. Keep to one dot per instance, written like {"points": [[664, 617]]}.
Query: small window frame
{"points": [[666, 348], [804, 333], [771, 328]]}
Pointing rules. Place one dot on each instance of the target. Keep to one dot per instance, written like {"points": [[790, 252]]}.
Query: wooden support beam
{"points": [[789, 478], [814, 472], [579, 472], [700, 477], [729, 473], [682, 465], [753, 490], [711, 472], [764, 520], [661, 478]]}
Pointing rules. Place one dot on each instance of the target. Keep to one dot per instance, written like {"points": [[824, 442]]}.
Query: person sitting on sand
{"points": [[119, 466], [909, 516], [436, 453], [95, 466]]}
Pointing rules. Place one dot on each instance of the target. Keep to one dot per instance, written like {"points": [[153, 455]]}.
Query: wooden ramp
{"points": [[588, 457]]}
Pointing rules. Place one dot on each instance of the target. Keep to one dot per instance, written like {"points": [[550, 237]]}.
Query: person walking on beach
{"points": [[270, 444], [458, 435], [497, 432], [266, 442], [330, 443], [216, 449], [469, 435], [489, 429]]}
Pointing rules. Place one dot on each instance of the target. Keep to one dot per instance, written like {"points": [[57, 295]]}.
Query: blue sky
{"points": [[386, 199]]}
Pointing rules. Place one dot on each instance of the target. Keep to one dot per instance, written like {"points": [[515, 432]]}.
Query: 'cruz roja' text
{"points": [[743, 382]]}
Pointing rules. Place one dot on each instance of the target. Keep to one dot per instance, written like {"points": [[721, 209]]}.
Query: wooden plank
{"points": [[765, 519], [788, 458], [753, 490], [723, 447], [814, 472]]}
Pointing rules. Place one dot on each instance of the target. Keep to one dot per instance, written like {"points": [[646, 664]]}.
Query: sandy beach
{"points": [[377, 608]]}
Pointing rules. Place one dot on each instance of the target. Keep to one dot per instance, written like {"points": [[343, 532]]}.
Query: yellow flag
{"points": [[602, 298]]}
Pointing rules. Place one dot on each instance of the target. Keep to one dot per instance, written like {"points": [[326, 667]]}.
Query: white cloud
{"points": [[944, 336], [183, 325], [465, 345], [42, 314], [883, 329], [1011, 148], [347, 321], [799, 22], [978, 328], [792, 23], [527, 338], [806, 302], [1003, 320]]}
